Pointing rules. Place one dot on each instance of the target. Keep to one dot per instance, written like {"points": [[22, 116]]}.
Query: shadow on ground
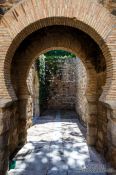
{"points": [[56, 145]]}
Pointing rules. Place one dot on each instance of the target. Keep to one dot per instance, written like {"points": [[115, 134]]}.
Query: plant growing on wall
{"points": [[48, 67], [41, 73]]}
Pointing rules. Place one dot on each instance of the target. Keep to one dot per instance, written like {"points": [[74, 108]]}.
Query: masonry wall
{"points": [[17, 115], [33, 87], [110, 5], [102, 119], [62, 89], [14, 129], [8, 131], [68, 87], [81, 85]]}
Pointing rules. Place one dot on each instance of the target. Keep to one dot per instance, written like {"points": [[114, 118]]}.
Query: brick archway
{"points": [[29, 16], [40, 44], [95, 20], [23, 59]]}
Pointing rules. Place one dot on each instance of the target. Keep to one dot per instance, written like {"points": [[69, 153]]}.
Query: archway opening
{"points": [[84, 47], [57, 79], [72, 40], [62, 83]]}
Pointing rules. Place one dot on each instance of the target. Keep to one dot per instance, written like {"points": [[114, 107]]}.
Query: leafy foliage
{"points": [[47, 68], [59, 53]]}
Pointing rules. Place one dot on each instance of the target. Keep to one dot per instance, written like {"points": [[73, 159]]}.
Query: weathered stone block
{"points": [[112, 131], [91, 140], [4, 140], [91, 131], [4, 158], [112, 155], [92, 119], [100, 135], [99, 146], [92, 108], [4, 120]]}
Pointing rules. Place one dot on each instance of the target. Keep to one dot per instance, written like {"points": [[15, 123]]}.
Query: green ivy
{"points": [[59, 53], [48, 67]]}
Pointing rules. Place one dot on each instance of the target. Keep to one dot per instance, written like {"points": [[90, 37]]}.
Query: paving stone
{"points": [[79, 173], [57, 173], [26, 172], [57, 147]]}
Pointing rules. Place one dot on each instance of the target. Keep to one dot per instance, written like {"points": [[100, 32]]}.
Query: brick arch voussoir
{"points": [[109, 94], [91, 89]]}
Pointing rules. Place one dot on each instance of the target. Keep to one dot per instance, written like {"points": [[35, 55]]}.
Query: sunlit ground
{"points": [[56, 145]]}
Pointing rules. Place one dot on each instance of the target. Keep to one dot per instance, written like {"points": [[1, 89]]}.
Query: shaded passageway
{"points": [[56, 145]]}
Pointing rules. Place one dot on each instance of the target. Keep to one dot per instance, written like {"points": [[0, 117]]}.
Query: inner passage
{"points": [[56, 138], [58, 80]]}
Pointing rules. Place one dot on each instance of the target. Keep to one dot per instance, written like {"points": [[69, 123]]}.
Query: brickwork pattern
{"points": [[100, 34], [5, 5], [81, 86], [33, 88], [62, 88]]}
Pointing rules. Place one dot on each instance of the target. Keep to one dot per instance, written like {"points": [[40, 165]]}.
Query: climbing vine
{"points": [[48, 68]]}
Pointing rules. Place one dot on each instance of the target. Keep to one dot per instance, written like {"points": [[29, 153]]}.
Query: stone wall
{"points": [[14, 129], [102, 122], [101, 116], [33, 87], [81, 85], [9, 133], [110, 5], [18, 117], [67, 88], [62, 89]]}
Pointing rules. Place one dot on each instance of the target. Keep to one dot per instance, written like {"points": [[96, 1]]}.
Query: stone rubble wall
{"points": [[67, 89], [16, 136], [102, 121], [62, 88], [33, 87], [30, 99], [9, 133], [110, 5], [81, 85], [14, 129], [14, 114]]}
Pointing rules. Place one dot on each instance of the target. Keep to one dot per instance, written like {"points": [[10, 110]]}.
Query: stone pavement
{"points": [[56, 145]]}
